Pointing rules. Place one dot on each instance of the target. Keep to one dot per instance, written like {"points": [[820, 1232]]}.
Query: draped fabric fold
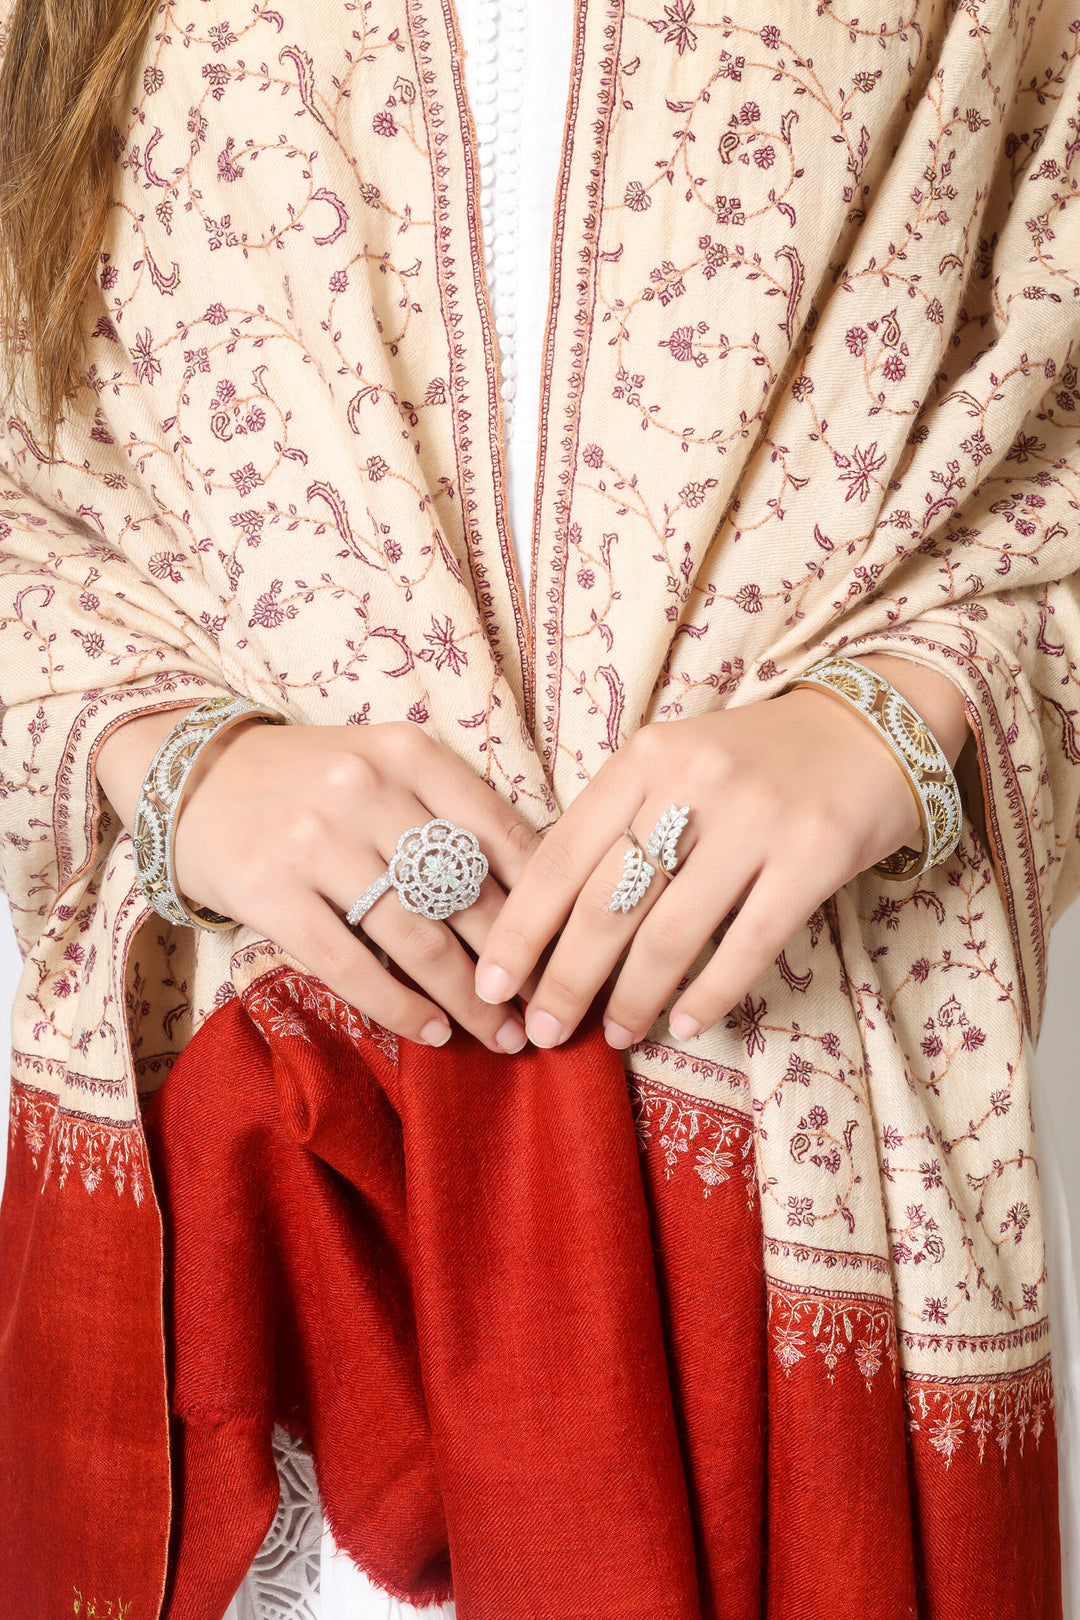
{"points": [[810, 382], [532, 1378]]}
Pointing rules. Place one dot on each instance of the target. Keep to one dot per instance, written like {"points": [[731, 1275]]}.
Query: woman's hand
{"points": [[282, 827], [789, 799]]}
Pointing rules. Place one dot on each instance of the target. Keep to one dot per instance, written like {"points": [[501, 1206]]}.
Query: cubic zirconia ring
{"points": [[436, 869], [666, 835], [637, 875]]}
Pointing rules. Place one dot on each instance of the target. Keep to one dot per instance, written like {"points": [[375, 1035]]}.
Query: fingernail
{"points": [[544, 1030], [617, 1036], [493, 983], [435, 1032], [683, 1027], [511, 1036]]}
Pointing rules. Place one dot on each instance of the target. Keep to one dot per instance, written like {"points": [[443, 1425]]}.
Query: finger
{"points": [[592, 940], [427, 949], [776, 907], [433, 957], [474, 923], [670, 939], [400, 812], [311, 932], [543, 896], [446, 782]]}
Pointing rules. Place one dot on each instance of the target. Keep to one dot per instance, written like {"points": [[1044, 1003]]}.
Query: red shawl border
{"points": [[520, 1313]]}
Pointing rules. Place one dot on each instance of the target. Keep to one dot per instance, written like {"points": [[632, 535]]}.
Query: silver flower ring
{"points": [[436, 869]]}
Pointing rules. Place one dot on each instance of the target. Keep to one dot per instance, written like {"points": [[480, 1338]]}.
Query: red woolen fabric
{"points": [[534, 1374], [83, 1411]]}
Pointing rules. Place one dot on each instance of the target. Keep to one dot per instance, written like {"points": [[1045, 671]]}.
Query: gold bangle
{"points": [[928, 772]]}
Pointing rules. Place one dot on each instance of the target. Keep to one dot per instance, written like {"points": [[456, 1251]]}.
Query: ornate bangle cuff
{"points": [[925, 766], [163, 787]]}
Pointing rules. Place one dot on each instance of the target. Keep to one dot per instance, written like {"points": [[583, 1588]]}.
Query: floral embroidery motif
{"points": [[811, 1321], [60, 1141], [1003, 1408], [276, 1002], [717, 1142]]}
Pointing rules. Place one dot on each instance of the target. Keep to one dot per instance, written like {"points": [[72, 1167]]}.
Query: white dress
{"points": [[517, 75]]}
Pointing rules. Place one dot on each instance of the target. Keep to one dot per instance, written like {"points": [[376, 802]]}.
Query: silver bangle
{"points": [[154, 829]]}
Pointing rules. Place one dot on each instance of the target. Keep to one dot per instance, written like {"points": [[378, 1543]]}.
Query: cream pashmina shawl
{"points": [[810, 383]]}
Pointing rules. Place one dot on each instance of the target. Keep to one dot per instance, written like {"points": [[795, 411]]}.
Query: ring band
{"points": [[436, 869]]}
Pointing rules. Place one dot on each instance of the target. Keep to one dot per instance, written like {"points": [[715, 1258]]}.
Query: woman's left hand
{"points": [[789, 798]]}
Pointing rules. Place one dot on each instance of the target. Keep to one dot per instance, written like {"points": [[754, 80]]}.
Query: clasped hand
{"points": [[789, 799], [282, 827]]}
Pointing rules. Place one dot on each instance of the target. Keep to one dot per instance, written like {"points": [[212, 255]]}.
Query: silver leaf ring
{"points": [[637, 875]]}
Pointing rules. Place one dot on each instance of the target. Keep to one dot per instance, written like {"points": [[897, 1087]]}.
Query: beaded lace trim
{"points": [[495, 80]]}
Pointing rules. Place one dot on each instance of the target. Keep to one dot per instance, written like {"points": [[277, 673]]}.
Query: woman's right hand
{"points": [[282, 827]]}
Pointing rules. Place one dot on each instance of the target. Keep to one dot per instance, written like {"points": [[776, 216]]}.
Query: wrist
{"points": [[935, 698], [210, 754], [857, 747], [864, 686], [124, 757]]}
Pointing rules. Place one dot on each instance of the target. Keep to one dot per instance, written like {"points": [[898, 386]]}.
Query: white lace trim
{"points": [[283, 1581], [495, 78], [299, 1573]]}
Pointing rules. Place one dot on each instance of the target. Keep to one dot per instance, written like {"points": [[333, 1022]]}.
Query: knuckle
{"points": [[598, 892], [338, 961], [713, 770], [665, 938], [428, 944], [558, 992], [509, 944], [304, 829], [346, 775], [757, 940], [403, 1013], [478, 1018], [556, 862], [401, 741], [392, 1006], [519, 836], [645, 744]]}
